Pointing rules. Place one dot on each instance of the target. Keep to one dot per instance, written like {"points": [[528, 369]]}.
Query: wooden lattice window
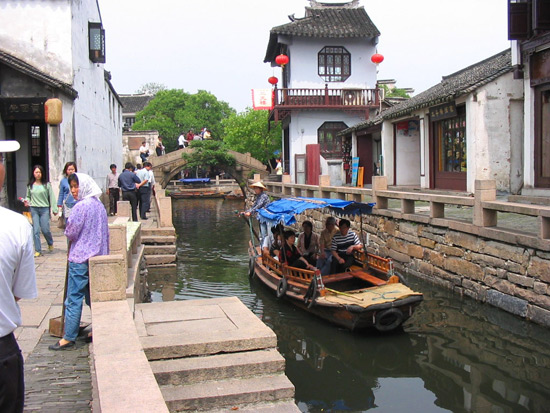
{"points": [[334, 64], [331, 144]]}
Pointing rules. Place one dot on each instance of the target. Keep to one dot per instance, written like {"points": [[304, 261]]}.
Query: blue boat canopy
{"points": [[195, 180], [285, 210]]}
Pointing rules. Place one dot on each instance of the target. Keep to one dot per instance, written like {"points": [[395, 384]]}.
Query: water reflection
{"points": [[453, 354]]}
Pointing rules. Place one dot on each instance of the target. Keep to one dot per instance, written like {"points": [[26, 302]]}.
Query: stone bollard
{"points": [[108, 278], [485, 190], [124, 209], [257, 177], [379, 183], [324, 180]]}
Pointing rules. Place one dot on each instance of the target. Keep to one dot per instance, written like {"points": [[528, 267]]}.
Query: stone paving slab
{"points": [[209, 326]]}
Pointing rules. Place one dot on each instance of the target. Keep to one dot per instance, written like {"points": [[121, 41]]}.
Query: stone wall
{"points": [[511, 277]]}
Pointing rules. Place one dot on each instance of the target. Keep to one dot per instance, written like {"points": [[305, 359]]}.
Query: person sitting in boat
{"points": [[290, 254], [325, 243], [262, 200], [344, 243], [308, 243], [273, 242]]}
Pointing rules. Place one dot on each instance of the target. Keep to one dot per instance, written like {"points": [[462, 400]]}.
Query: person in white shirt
{"points": [[17, 280], [143, 151], [182, 141]]}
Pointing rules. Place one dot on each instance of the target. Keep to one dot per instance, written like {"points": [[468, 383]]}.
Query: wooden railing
{"points": [[483, 205], [305, 97]]}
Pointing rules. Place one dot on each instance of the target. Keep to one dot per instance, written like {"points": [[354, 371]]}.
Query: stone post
{"points": [[108, 278], [485, 190], [124, 209], [379, 183], [324, 180], [165, 211]]}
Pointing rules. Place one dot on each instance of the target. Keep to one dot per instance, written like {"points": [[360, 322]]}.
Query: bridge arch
{"points": [[167, 166]]}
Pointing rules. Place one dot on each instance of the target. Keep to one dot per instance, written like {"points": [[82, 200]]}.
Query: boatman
{"points": [[344, 243], [17, 280], [262, 200]]}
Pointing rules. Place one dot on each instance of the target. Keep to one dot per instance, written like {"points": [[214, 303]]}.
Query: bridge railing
{"points": [[476, 214]]}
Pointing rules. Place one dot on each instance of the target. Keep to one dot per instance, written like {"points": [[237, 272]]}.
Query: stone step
{"points": [[158, 239], [160, 259], [159, 249], [158, 231], [232, 392], [276, 407], [191, 370]]}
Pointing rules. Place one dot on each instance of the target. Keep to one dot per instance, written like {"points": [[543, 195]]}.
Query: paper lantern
{"points": [[273, 80], [377, 58], [53, 111], [282, 60]]}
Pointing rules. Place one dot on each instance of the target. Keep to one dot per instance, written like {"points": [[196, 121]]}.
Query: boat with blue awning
{"points": [[370, 294]]}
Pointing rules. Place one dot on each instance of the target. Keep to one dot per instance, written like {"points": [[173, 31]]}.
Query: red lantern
{"points": [[377, 58], [273, 80], [281, 60]]}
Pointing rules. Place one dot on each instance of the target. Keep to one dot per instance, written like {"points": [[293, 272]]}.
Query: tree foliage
{"points": [[395, 92], [248, 131], [174, 111], [151, 88], [208, 154]]}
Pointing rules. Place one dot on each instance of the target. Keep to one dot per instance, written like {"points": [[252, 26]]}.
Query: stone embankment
{"points": [[507, 268]]}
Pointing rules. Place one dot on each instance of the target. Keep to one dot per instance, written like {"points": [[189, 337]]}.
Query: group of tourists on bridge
{"points": [[185, 138]]}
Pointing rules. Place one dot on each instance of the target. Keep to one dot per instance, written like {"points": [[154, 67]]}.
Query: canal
{"points": [[453, 355]]}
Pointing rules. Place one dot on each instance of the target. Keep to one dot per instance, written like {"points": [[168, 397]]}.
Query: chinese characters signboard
{"points": [[21, 109], [446, 111]]}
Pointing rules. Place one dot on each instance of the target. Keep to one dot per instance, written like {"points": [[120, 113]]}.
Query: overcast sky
{"points": [[219, 45]]}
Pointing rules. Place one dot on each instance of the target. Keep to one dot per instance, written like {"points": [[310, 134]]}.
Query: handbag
{"points": [[61, 223]]}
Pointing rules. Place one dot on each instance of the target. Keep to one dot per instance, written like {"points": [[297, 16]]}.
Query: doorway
{"points": [[542, 137]]}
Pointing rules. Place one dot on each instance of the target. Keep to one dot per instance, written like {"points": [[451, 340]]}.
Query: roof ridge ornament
{"points": [[353, 4]]}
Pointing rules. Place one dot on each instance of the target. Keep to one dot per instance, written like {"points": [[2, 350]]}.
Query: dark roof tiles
{"points": [[452, 86], [135, 103], [330, 22]]}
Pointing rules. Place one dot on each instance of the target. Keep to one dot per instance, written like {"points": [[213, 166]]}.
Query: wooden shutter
{"points": [[541, 16], [519, 21]]}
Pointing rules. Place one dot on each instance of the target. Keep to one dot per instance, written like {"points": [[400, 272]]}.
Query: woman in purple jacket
{"points": [[88, 233]]}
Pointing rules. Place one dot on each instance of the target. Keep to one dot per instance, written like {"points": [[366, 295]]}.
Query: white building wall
{"points": [[303, 131], [529, 134], [97, 113], [489, 131], [303, 54], [39, 32]]}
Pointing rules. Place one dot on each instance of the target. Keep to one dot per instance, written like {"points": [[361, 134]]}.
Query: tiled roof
{"points": [[334, 22], [135, 103], [451, 87], [31, 71], [329, 22]]}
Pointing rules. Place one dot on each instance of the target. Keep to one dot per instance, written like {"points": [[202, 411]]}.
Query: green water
{"points": [[453, 355]]}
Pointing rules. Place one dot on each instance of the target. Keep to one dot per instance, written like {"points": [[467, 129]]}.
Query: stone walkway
{"points": [[54, 381]]}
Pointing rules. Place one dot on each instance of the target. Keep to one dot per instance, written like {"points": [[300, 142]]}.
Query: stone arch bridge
{"points": [[167, 166]]}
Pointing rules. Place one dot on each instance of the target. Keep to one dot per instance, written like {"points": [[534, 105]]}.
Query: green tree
{"points": [[174, 111], [151, 88], [249, 131], [209, 154], [395, 92]]}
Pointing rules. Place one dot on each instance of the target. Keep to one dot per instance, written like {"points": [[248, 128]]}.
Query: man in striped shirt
{"points": [[343, 245]]}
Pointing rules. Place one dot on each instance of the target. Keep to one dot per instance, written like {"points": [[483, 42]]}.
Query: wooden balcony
{"points": [[287, 100]]}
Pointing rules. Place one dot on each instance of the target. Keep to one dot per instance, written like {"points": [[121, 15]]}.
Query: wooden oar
{"points": [[341, 293]]}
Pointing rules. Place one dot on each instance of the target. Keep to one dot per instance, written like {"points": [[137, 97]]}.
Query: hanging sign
{"points": [[262, 99], [446, 111], [21, 109]]}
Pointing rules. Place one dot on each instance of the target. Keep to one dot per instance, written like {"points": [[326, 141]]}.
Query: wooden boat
{"points": [[196, 194], [369, 295]]}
